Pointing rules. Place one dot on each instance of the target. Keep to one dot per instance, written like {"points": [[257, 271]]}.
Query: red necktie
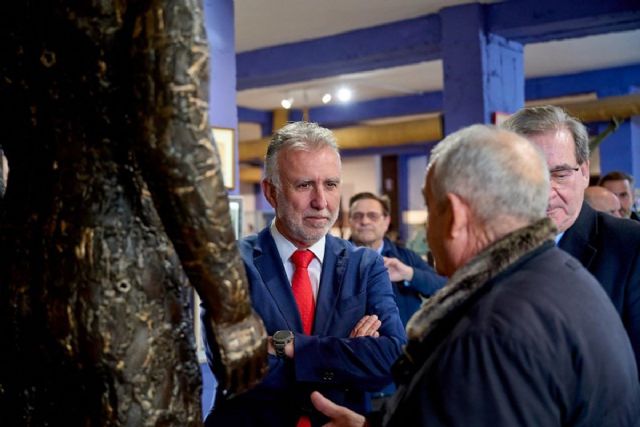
{"points": [[301, 288], [302, 292]]}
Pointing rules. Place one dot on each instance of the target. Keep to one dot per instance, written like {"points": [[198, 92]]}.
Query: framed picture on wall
{"points": [[235, 210], [225, 143]]}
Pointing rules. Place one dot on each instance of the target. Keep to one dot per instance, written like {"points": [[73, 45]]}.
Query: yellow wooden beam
{"points": [[356, 137], [602, 110], [251, 174], [280, 118], [430, 129]]}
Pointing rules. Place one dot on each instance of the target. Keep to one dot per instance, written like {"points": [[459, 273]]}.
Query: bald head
{"points": [[603, 200], [500, 174]]}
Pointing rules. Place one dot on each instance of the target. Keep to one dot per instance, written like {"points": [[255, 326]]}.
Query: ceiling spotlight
{"points": [[326, 98], [344, 94], [286, 103]]}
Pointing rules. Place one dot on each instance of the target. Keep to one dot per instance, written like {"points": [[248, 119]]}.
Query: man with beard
{"points": [[328, 306], [521, 334]]}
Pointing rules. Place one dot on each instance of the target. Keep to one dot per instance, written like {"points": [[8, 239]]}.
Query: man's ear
{"points": [[584, 173], [459, 215], [269, 191], [387, 220]]}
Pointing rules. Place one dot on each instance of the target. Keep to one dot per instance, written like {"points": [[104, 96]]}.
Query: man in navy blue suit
{"points": [[608, 247], [356, 332]]}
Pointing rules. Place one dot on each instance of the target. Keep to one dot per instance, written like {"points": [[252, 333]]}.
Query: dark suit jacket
{"points": [[425, 281], [529, 349], [610, 249], [353, 282]]}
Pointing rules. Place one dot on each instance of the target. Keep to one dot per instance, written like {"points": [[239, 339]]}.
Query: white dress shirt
{"points": [[286, 249]]}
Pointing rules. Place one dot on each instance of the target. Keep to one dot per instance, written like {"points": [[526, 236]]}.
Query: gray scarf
{"points": [[469, 279]]}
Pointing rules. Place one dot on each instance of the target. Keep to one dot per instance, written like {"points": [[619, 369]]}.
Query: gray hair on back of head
{"points": [[305, 136], [536, 120], [496, 172]]}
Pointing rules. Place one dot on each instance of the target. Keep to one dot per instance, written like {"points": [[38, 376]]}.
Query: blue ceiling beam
{"points": [[253, 115], [383, 46], [419, 39], [545, 20], [606, 82], [346, 114]]}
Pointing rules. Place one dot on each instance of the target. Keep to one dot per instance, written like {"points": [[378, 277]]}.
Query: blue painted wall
{"points": [[223, 112]]}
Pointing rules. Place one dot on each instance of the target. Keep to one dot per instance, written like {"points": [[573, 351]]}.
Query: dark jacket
{"points": [[610, 249], [425, 281], [353, 282], [522, 335]]}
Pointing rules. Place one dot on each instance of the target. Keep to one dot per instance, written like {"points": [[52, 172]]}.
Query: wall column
{"points": [[483, 72], [621, 150], [223, 111]]}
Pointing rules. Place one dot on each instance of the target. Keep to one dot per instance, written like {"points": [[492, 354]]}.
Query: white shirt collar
{"points": [[286, 248]]}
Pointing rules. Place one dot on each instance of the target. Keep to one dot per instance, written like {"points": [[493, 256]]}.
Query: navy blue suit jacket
{"points": [[353, 283], [425, 281], [610, 249]]}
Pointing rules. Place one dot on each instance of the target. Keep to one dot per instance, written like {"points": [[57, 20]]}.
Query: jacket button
{"points": [[327, 376]]}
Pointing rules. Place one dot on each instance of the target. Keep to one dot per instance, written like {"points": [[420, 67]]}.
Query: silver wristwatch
{"points": [[280, 340]]}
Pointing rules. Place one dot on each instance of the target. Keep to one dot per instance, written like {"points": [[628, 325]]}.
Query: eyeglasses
{"points": [[359, 216], [562, 174]]}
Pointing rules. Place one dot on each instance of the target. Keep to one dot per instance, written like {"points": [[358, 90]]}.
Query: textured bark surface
{"points": [[105, 123]]}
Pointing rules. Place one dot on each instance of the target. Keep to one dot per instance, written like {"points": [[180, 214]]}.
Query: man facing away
{"points": [[608, 247], [327, 305], [412, 277], [602, 200], [621, 184], [521, 334]]}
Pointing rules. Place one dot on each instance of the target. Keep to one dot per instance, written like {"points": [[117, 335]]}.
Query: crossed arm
{"points": [[366, 327]]}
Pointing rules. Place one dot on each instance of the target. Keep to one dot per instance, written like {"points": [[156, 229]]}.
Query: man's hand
{"points": [[366, 327], [339, 415], [398, 271]]}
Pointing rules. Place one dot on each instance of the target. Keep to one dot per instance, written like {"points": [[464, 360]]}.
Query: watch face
{"points": [[282, 335]]}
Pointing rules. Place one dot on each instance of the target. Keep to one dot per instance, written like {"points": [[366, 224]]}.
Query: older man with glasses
{"points": [[608, 247], [412, 277]]}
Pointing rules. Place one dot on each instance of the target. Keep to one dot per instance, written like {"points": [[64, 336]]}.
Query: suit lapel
{"points": [[267, 261], [576, 239], [333, 268]]}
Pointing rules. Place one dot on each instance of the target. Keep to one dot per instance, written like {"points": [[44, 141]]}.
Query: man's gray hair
{"points": [[496, 172], [537, 120], [305, 136]]}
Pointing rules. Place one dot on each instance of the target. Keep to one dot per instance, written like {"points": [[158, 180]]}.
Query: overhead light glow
{"points": [[286, 103], [344, 94], [326, 98]]}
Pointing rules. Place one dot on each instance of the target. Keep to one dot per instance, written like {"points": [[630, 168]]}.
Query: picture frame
{"points": [[235, 210], [225, 143]]}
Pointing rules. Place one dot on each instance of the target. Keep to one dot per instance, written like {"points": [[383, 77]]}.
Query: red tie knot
{"points": [[302, 258]]}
